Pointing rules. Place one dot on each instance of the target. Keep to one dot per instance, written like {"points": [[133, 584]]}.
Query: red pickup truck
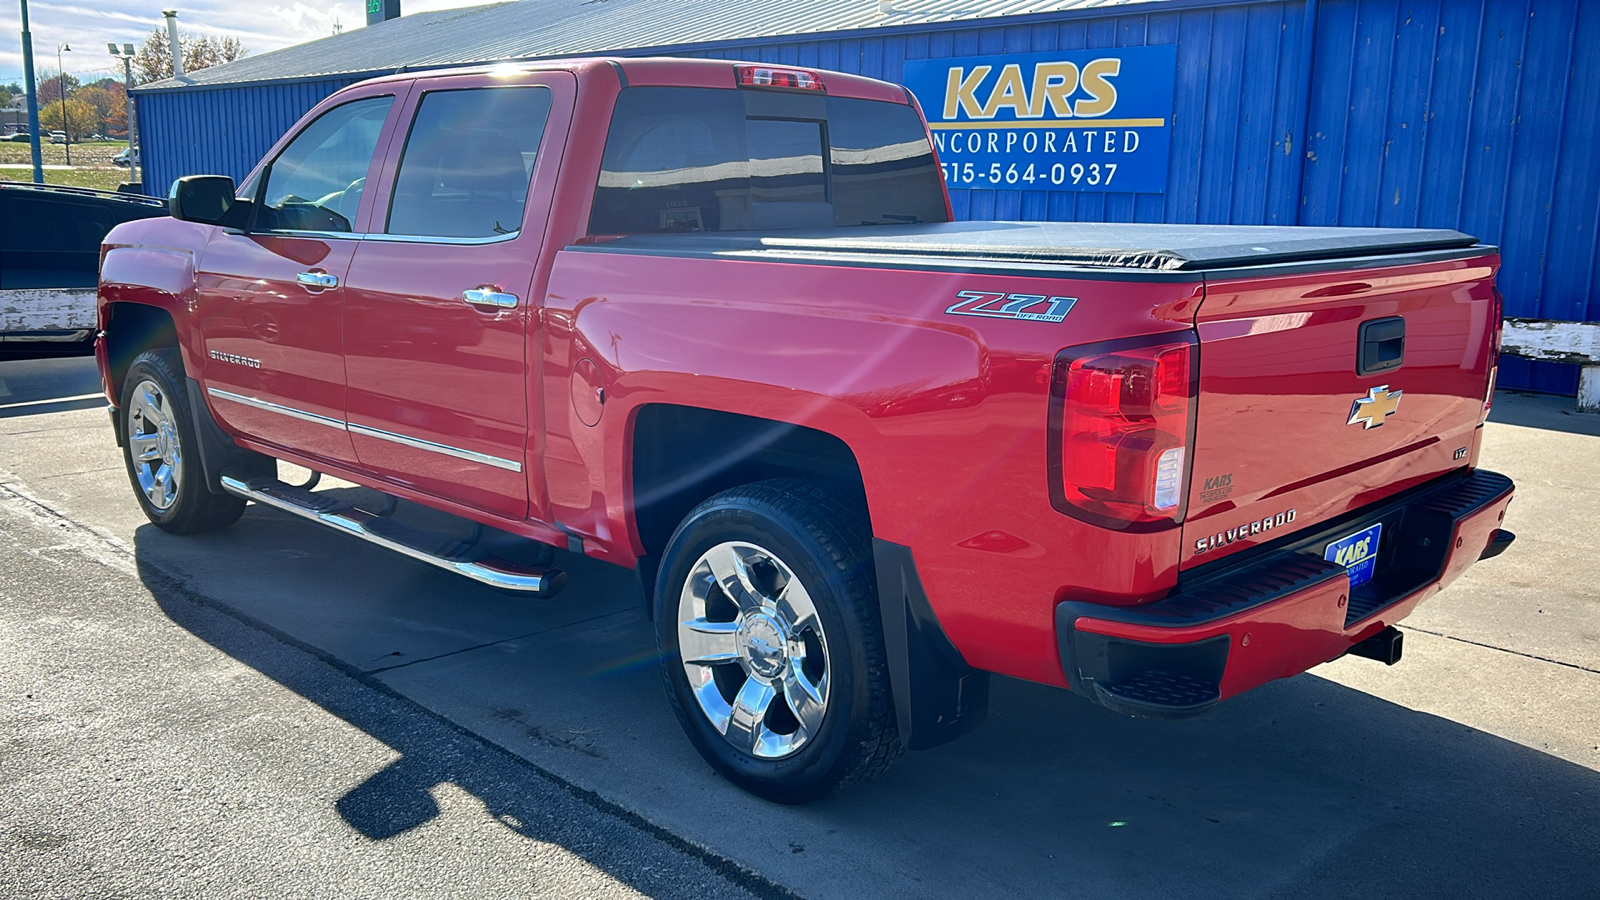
{"points": [[713, 321]]}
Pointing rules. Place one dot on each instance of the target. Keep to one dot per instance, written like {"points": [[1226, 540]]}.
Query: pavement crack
{"points": [[1451, 637], [494, 643]]}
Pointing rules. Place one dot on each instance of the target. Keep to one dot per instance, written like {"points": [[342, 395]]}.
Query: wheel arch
{"points": [[131, 328], [937, 696], [680, 455]]}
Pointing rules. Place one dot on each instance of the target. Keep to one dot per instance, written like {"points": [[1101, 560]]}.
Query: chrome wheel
{"points": [[153, 445], [753, 650]]}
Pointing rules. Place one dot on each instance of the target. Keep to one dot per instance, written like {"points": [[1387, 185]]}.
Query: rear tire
{"points": [[771, 642], [161, 450]]}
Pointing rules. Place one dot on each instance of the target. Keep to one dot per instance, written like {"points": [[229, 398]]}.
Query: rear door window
{"points": [[466, 165], [884, 170], [788, 182], [696, 159]]}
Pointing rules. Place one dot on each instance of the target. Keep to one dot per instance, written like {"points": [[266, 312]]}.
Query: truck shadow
{"points": [[434, 752], [1303, 788]]}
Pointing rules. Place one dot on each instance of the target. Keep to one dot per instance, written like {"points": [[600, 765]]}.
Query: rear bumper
{"points": [[1280, 611]]}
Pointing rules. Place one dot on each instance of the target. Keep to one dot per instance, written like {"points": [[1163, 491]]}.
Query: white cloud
{"points": [[263, 26]]}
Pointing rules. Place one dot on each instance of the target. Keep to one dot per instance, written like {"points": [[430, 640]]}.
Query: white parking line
{"points": [[54, 400]]}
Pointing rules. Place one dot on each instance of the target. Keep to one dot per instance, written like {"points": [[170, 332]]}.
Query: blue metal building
{"points": [[1482, 115]]}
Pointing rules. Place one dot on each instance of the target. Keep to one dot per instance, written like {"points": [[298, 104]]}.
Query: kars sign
{"points": [[1067, 120]]}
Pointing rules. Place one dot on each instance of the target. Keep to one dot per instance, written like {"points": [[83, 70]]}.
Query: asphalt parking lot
{"points": [[274, 708]]}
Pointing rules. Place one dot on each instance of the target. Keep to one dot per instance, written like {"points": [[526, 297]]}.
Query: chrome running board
{"points": [[446, 553]]}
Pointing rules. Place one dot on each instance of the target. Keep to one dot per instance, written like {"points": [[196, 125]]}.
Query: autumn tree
{"points": [[153, 61], [79, 123], [105, 103]]}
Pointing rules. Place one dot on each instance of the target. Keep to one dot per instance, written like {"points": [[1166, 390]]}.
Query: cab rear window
{"points": [[704, 159]]}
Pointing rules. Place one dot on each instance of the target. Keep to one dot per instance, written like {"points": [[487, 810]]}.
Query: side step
{"points": [[1158, 694], [447, 553]]}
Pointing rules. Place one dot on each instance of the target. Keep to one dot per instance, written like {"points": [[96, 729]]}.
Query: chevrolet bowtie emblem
{"points": [[1379, 404]]}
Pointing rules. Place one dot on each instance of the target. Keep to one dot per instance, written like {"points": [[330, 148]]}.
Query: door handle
{"points": [[490, 297], [1383, 345], [317, 279]]}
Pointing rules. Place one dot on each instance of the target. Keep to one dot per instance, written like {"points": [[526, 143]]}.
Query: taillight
{"points": [[1121, 420], [775, 77], [1497, 311]]}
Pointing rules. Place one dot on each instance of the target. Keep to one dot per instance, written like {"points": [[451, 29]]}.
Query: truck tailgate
{"points": [[1325, 392]]}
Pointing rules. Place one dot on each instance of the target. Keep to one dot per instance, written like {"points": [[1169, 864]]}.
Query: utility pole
{"points": [[33, 98], [126, 55], [61, 80]]}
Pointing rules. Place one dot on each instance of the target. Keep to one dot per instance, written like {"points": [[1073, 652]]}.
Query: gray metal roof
{"points": [[529, 29]]}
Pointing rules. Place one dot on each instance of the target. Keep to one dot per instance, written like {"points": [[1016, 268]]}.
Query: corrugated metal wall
{"points": [[224, 131], [1482, 115]]}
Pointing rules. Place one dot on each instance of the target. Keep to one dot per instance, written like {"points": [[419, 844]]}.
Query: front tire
{"points": [[161, 450], [771, 643]]}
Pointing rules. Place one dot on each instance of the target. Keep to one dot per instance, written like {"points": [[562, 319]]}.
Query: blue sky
{"points": [[263, 25]]}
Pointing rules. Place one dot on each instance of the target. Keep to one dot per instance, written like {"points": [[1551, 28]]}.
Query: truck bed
{"points": [[1174, 250]]}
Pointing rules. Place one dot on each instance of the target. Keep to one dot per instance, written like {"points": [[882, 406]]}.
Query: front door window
{"points": [[316, 183]]}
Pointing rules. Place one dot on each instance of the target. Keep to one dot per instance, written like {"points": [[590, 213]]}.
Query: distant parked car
{"points": [[125, 158], [20, 137], [58, 137]]}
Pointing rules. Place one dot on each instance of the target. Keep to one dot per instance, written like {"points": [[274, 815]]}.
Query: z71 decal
{"points": [[996, 305]]}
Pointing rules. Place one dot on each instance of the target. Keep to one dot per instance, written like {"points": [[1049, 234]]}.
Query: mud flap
{"points": [[218, 452], [937, 696]]}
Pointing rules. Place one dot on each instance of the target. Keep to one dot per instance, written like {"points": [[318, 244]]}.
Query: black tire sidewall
{"points": [[812, 770], [194, 503]]}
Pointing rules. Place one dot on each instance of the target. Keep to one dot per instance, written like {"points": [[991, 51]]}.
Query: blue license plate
{"points": [[1358, 553]]}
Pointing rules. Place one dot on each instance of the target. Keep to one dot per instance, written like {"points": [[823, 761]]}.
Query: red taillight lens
{"points": [[1497, 312], [1120, 426], [774, 77]]}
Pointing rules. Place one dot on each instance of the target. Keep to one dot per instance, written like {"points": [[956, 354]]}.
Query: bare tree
{"points": [[50, 81], [153, 61]]}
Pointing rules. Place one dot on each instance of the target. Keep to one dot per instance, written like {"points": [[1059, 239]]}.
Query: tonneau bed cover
{"points": [[1160, 248]]}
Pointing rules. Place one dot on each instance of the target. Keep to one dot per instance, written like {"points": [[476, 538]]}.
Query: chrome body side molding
{"points": [[289, 411], [417, 443], [445, 449]]}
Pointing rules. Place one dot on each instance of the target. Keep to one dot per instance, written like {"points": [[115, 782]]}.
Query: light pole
{"points": [[61, 77], [33, 99], [126, 55]]}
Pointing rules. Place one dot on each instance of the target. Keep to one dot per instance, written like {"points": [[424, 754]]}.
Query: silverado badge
{"points": [[1379, 404]]}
